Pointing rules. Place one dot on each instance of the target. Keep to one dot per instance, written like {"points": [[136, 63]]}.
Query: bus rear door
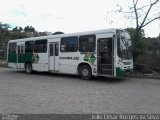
{"points": [[20, 55], [54, 56]]}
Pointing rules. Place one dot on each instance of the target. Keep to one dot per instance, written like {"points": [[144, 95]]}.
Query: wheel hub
{"points": [[85, 72]]}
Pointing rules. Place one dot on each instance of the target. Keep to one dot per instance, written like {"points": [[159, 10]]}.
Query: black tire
{"points": [[28, 68], [85, 72]]}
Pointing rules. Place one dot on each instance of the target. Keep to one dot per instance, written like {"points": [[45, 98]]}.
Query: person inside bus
{"points": [[106, 55]]}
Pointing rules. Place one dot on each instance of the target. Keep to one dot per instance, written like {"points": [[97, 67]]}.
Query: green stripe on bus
{"points": [[12, 58], [119, 72], [22, 58]]}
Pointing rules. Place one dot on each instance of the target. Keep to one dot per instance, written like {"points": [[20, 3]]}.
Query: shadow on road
{"points": [[75, 77], [109, 79]]}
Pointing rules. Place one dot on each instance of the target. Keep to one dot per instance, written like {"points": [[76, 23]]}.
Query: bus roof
{"points": [[111, 30]]}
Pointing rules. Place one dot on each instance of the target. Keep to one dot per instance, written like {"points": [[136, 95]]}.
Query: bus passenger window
{"points": [[22, 49], [12, 47], [87, 43], [51, 49], [29, 46], [40, 46], [56, 49], [69, 44]]}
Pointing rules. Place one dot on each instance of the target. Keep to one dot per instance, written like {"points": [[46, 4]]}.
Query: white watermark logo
{"points": [[6, 116]]}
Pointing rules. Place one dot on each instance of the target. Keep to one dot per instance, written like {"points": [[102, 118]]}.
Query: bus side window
{"points": [[51, 49], [29, 46], [12, 47], [87, 43], [69, 44], [56, 49], [22, 49], [19, 49], [40, 46]]}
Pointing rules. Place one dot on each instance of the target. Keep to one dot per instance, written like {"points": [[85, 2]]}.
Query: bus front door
{"points": [[105, 56], [53, 57]]}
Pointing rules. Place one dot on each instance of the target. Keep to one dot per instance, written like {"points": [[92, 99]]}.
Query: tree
{"points": [[142, 15], [29, 29], [17, 29], [20, 29], [4, 28], [4, 31], [141, 46]]}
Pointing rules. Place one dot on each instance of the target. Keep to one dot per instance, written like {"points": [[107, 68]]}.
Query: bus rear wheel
{"points": [[28, 68], [85, 72]]}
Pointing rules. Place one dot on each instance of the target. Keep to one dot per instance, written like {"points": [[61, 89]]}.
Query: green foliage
{"points": [[6, 33], [132, 32], [17, 29], [17, 36], [16, 33], [29, 29], [4, 28], [145, 50], [141, 45]]}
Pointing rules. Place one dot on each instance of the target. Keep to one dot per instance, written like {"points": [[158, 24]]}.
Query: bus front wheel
{"points": [[28, 68], [85, 72]]}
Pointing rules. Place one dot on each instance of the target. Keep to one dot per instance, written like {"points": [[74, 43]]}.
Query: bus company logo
{"points": [[89, 57], [35, 58]]}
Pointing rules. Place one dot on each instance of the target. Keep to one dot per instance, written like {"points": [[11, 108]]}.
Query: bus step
{"points": [[106, 71], [106, 66]]}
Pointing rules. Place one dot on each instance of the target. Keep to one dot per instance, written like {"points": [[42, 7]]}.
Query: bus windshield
{"points": [[124, 45]]}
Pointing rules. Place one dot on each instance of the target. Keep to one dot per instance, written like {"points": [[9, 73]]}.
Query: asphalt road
{"points": [[56, 93]]}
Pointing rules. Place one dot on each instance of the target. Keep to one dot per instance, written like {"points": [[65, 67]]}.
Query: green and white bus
{"points": [[105, 52]]}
